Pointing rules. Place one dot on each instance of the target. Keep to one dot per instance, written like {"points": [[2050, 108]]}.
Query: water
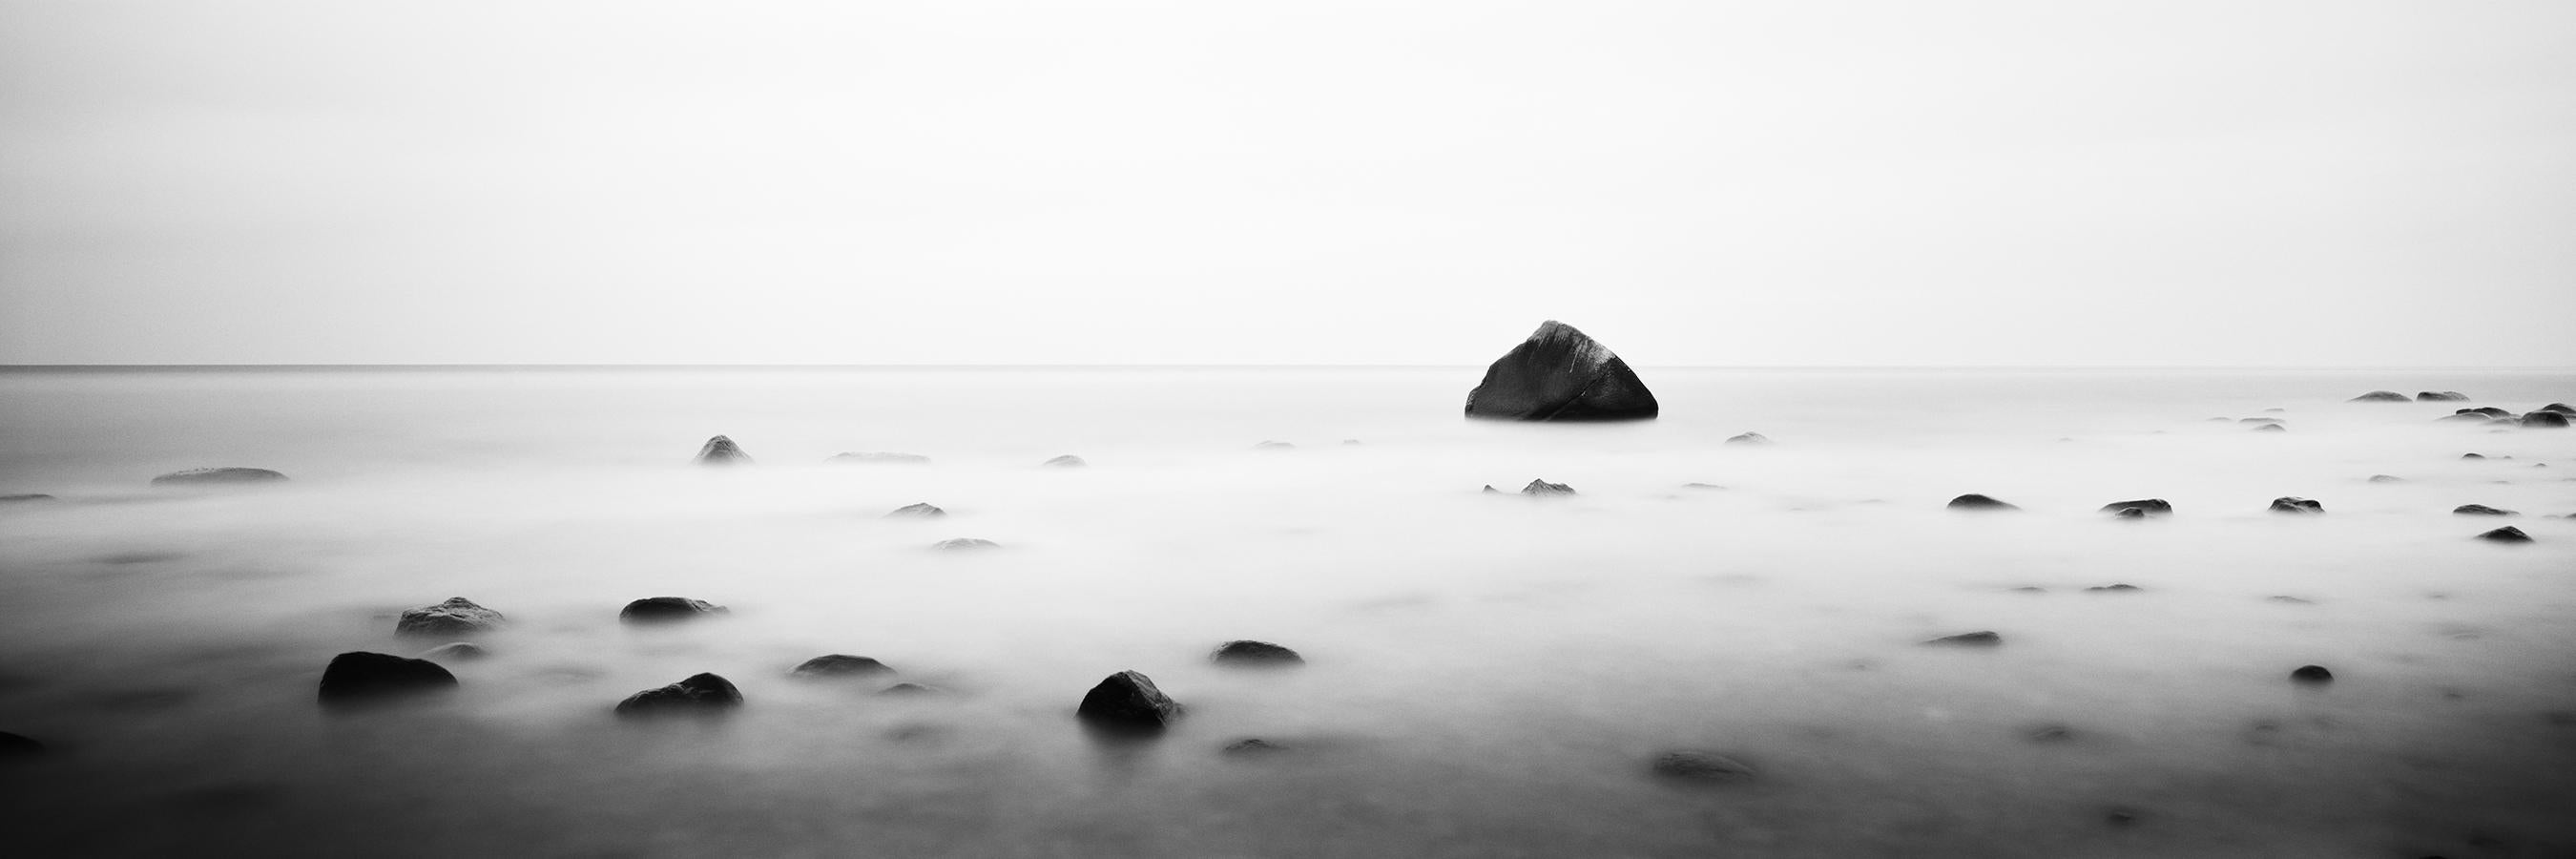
{"points": [[1488, 676]]}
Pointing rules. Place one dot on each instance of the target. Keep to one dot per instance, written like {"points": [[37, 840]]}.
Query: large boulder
{"points": [[1255, 654], [2545, 420], [1128, 701], [216, 476], [1973, 501], [2439, 396], [837, 666], [2381, 397], [722, 451], [2145, 506], [457, 616], [667, 610], [2293, 504], [701, 693], [1559, 374], [358, 677]]}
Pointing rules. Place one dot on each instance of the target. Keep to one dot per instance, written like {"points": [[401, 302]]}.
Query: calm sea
{"points": [[1486, 675]]}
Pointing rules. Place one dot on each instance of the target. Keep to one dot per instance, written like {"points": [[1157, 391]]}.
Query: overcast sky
{"points": [[2347, 182]]}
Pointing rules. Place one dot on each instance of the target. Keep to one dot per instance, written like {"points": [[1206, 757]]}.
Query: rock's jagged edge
{"points": [[1557, 359]]}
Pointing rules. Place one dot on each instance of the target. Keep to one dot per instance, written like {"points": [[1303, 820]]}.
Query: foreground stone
{"points": [[456, 617], [2381, 397], [2545, 420], [1558, 374], [359, 677], [2386, 478], [722, 451], [2312, 674], [1973, 501], [2506, 534], [840, 666], [1542, 487], [1128, 701], [1702, 766], [923, 510], [1255, 654], [701, 693], [2271, 428], [2148, 506], [217, 476], [667, 610], [1980, 638], [2481, 510], [880, 458], [2291, 504]]}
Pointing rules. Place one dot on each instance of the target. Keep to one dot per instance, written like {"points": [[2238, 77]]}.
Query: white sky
{"points": [[2344, 182]]}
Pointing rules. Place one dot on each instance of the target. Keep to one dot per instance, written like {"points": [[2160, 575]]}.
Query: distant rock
{"points": [[1274, 445], [2466, 416], [217, 476], [923, 510], [2386, 478], [1749, 438], [2258, 420], [722, 451], [1257, 654], [2545, 420], [2381, 397], [1490, 490], [2028, 589], [2561, 408], [879, 458], [910, 690], [964, 544], [457, 616], [360, 677], [1558, 374], [2481, 510], [2473, 456], [2271, 428], [2115, 588], [30, 496], [1701, 766], [1973, 501], [2489, 411], [2048, 733], [701, 693], [455, 651], [2312, 674], [2149, 506], [2291, 504], [1066, 461], [2506, 534], [1980, 638], [1252, 746], [1542, 487], [1702, 486], [2290, 600], [1128, 700], [839, 666], [653, 610], [2439, 396]]}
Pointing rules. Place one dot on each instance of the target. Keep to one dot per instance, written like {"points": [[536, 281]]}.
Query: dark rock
{"points": [[2481, 510], [2115, 588], [2312, 674], [908, 690], [1490, 490], [2439, 396], [2489, 411], [455, 651], [207, 476], [2381, 397], [1066, 461], [1973, 501], [2386, 478], [1981, 638], [2473, 456], [701, 693], [2561, 408], [2290, 504], [1128, 701], [839, 666], [457, 616], [2465, 416], [722, 451], [1274, 445], [1253, 746], [2271, 428], [19, 745], [963, 544], [2150, 506], [1542, 487], [1749, 438], [667, 610], [359, 677], [1255, 654], [1702, 766], [880, 458], [1559, 374], [2506, 534], [30, 496], [923, 510], [2545, 420]]}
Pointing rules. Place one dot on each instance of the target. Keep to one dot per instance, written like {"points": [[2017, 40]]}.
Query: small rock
{"points": [[207, 476], [1542, 487], [2466, 416], [1702, 766], [1066, 461], [2120, 816], [701, 693], [2271, 428], [2150, 506], [2473, 456], [2258, 420], [1702, 486], [1980, 638], [907, 690], [2381, 397], [2049, 733], [2290, 600], [455, 651], [2439, 396], [457, 616], [839, 666], [1128, 700], [19, 745], [964, 543], [880, 458], [2506, 534], [1749, 438], [1973, 501], [722, 451], [2312, 674], [667, 609], [2545, 420], [1253, 746], [2030, 589], [1490, 490], [2386, 478], [2481, 510], [2114, 588], [2292, 504], [30, 496], [359, 677], [923, 510], [1255, 654]]}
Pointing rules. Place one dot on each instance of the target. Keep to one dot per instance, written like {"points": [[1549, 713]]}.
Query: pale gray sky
{"points": [[2348, 182]]}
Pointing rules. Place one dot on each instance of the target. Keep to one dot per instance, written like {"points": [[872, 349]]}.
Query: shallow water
{"points": [[1487, 676]]}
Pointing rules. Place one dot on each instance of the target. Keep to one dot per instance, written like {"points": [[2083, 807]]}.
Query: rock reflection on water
{"points": [[1483, 675]]}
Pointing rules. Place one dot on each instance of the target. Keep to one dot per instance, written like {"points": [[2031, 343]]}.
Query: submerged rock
{"points": [[2291, 504], [1065, 461], [2271, 428], [359, 677], [1128, 700], [839, 666], [880, 458], [2381, 397], [2488, 411], [208, 476], [908, 690], [1973, 501], [2439, 396], [1542, 487], [667, 610], [2465, 416], [1749, 438], [964, 543], [1252, 746], [2149, 506], [701, 693], [2386, 478], [2506, 534], [722, 451], [1490, 490], [2312, 674], [457, 616], [2545, 420], [2289, 600], [1701, 766], [2115, 588], [2561, 408], [2473, 456], [1558, 374], [455, 651], [1259, 654], [2048, 733], [2481, 510], [1980, 638], [2258, 420], [1702, 486], [27, 496], [922, 510]]}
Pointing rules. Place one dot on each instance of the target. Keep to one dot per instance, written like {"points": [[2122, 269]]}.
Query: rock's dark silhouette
{"points": [[2381, 397], [2473, 456], [2439, 396], [701, 693], [1252, 746], [2561, 408], [922, 510], [359, 677], [457, 616], [1973, 501], [722, 451], [1749, 438], [27, 496], [880, 458], [1128, 701], [906, 690], [1980, 638], [1542, 487], [2506, 534], [213, 476], [2048, 733], [2481, 510], [1701, 766], [2149, 506], [1258, 654], [2312, 674], [838, 666], [1066, 461], [2466, 416], [2290, 504], [455, 651], [2545, 420], [2115, 588], [1558, 374], [2290, 600], [1490, 490], [667, 610], [964, 544], [2489, 411], [2271, 428]]}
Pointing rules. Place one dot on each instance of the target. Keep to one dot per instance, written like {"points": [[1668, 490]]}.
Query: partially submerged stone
{"points": [[2115, 588], [2271, 428], [722, 451], [2488, 411], [1255, 654], [217, 476], [2481, 510], [964, 544], [2381, 397], [359, 677], [26, 496], [2561, 408], [2148, 506], [667, 610], [2439, 396], [1542, 487], [2293, 504], [2312, 674], [2545, 420], [1980, 638], [1973, 501], [1559, 374], [1702, 766], [837, 666], [1749, 438], [922, 510], [1252, 746], [1274, 445], [1066, 461], [457, 616], [1128, 701], [700, 693], [2386, 478], [2506, 534], [455, 651]]}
